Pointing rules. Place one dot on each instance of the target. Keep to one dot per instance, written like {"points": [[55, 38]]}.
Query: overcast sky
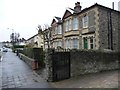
{"points": [[24, 15]]}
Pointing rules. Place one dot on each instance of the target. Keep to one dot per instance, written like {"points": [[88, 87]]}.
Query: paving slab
{"points": [[106, 79]]}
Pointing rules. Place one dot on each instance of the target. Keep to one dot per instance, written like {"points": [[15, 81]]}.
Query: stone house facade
{"points": [[95, 27], [101, 30]]}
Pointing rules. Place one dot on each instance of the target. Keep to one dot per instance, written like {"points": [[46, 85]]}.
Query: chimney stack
{"points": [[77, 7]]}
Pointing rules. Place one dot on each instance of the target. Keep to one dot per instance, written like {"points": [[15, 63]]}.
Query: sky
{"points": [[23, 16]]}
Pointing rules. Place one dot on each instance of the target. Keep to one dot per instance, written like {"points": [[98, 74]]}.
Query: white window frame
{"points": [[75, 45], [55, 44], [70, 24], [59, 29], [75, 23], [56, 29], [85, 21], [66, 26], [59, 43], [68, 43]]}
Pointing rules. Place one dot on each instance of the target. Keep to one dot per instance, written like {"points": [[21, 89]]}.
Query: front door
{"points": [[85, 43]]}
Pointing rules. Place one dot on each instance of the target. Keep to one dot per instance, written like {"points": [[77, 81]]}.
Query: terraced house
{"points": [[95, 27], [57, 32]]}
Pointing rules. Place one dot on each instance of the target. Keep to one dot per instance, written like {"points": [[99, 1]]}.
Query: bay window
{"points": [[75, 23], [66, 26], [70, 24], [60, 29], [67, 43]]}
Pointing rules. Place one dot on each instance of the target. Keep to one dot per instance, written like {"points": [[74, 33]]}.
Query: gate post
{"points": [[34, 65], [49, 64]]}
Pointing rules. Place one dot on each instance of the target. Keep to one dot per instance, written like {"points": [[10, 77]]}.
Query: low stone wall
{"points": [[83, 62], [31, 62], [37, 54]]}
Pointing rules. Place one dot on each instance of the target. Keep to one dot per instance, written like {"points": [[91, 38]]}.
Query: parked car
{"points": [[5, 50], [0, 53]]}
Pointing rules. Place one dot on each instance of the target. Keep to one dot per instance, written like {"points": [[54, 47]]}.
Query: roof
{"points": [[95, 5], [67, 14], [32, 37], [57, 20], [71, 10]]}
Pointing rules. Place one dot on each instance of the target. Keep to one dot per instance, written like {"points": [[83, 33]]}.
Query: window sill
{"points": [[71, 30], [85, 27]]}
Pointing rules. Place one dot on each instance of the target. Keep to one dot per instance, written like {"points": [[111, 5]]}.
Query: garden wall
{"points": [[34, 57], [26, 59], [83, 62]]}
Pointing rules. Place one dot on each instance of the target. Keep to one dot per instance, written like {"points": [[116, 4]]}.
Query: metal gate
{"points": [[61, 65]]}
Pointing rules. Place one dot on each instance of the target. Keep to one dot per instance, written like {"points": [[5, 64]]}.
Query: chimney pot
{"points": [[78, 3], [77, 7], [75, 4], [112, 5]]}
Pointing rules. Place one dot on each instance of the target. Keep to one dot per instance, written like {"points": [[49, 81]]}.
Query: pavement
{"points": [[106, 79], [15, 73]]}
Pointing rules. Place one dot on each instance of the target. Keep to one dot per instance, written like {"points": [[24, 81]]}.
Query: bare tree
{"points": [[45, 33], [14, 38], [39, 28]]}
